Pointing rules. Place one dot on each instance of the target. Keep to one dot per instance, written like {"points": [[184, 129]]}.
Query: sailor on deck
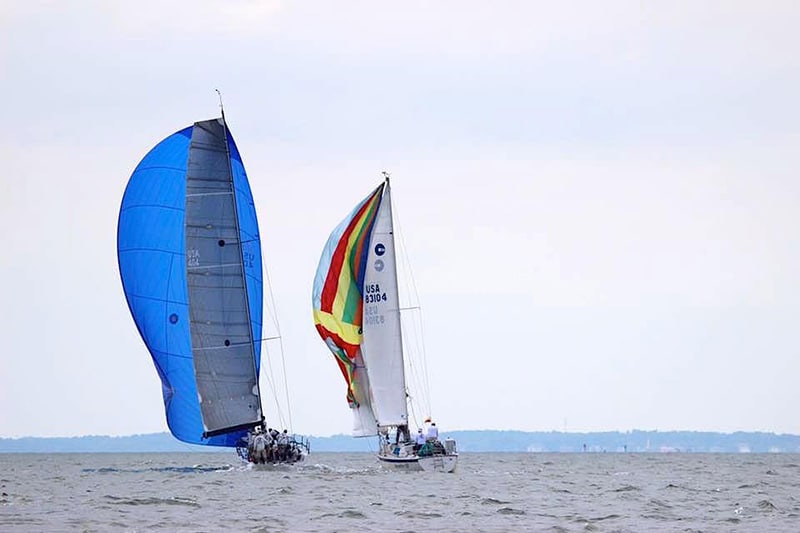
{"points": [[259, 447], [402, 435], [433, 432], [419, 440], [283, 445]]}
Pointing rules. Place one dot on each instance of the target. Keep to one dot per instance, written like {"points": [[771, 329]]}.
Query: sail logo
{"points": [[193, 257], [379, 265], [248, 258], [380, 249]]}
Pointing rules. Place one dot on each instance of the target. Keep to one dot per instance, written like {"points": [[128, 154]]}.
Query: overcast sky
{"points": [[600, 200]]}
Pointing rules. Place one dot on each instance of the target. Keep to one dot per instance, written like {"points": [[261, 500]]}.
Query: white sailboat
{"points": [[357, 313]]}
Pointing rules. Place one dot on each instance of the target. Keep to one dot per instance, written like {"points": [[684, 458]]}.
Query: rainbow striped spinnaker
{"points": [[357, 277]]}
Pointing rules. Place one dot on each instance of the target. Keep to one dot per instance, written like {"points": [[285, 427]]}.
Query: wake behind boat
{"points": [[357, 313], [189, 255]]}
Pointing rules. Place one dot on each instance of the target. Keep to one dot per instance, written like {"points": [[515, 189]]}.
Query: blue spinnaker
{"points": [[152, 253]]}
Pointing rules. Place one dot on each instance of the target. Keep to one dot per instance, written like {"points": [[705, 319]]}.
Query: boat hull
{"points": [[295, 451], [439, 463], [280, 465], [409, 463], [413, 463]]}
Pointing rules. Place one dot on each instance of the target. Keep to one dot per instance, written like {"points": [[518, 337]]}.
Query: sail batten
{"points": [[215, 267], [201, 194]]}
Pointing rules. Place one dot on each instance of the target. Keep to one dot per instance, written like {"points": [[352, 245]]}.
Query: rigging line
{"points": [[271, 384], [416, 378], [409, 279], [270, 378], [280, 343], [419, 368], [286, 386], [426, 374], [418, 322], [411, 402], [421, 342]]}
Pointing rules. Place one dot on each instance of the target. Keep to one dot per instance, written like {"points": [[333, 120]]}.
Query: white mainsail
{"points": [[382, 347]]}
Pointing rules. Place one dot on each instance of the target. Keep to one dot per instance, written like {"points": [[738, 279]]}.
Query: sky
{"points": [[600, 201]]}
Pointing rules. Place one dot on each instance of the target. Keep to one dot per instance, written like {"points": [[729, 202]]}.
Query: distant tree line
{"points": [[468, 441]]}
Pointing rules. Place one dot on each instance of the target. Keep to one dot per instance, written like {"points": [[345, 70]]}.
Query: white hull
{"points": [[408, 464], [439, 463], [413, 463]]}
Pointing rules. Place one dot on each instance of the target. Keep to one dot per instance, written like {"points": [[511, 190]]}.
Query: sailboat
{"points": [[357, 313], [189, 255]]}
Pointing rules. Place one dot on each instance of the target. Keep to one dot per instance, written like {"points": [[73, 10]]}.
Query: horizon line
{"points": [[552, 431]]}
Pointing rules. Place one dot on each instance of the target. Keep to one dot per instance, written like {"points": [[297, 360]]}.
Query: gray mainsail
{"points": [[222, 338]]}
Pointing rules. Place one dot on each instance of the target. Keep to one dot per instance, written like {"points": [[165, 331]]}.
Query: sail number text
{"points": [[373, 294], [372, 316], [248, 258], [193, 257]]}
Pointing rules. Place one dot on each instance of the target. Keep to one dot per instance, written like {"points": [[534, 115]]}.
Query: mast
{"points": [[381, 342], [241, 259], [387, 192], [221, 108], [227, 380]]}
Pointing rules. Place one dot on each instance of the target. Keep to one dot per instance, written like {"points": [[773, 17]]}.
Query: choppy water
{"points": [[350, 492]]}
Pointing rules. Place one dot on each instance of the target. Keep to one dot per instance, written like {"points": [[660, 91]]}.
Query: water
{"points": [[350, 492]]}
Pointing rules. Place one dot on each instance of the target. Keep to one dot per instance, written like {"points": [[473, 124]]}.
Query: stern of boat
{"points": [[439, 463]]}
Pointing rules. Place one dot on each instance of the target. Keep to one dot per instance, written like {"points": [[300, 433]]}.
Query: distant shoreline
{"points": [[468, 441]]}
